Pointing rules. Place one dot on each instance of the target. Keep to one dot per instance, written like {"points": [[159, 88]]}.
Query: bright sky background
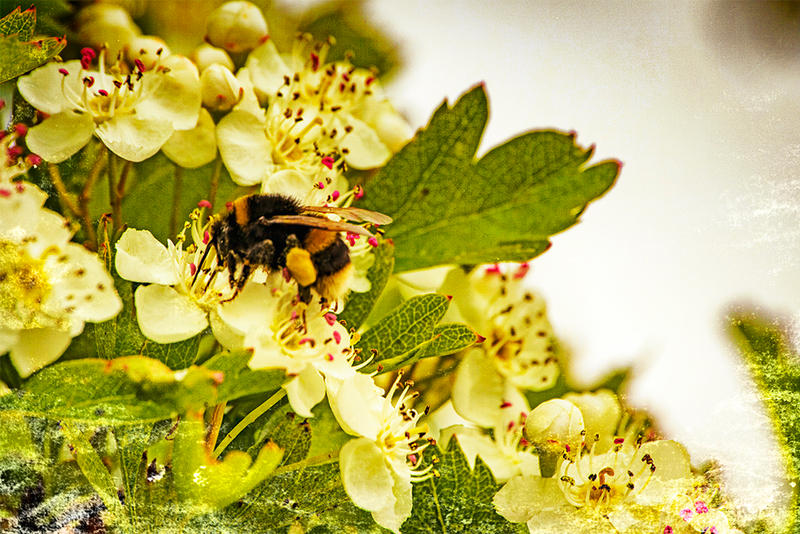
{"points": [[705, 213]]}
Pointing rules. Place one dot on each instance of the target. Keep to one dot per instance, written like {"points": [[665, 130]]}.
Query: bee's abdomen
{"points": [[331, 259]]}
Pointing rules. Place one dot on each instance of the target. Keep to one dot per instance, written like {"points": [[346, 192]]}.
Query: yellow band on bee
{"points": [[300, 266]]}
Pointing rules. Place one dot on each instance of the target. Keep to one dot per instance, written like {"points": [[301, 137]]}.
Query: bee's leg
{"points": [[230, 261], [243, 276], [304, 292]]}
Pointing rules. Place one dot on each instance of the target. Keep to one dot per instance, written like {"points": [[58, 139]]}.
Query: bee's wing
{"points": [[319, 222], [354, 214]]}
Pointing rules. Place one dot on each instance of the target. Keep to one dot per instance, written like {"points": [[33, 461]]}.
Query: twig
{"points": [[215, 423], [55, 176], [86, 193], [119, 192]]}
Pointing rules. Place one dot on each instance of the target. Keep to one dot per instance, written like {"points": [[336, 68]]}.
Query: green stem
{"points": [[249, 418]]}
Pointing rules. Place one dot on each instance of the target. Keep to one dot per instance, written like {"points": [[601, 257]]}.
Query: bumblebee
{"points": [[276, 232]]}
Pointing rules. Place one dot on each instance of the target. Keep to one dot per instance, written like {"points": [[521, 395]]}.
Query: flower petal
{"points": [[43, 90], [20, 211], [252, 309], [175, 97], [80, 282], [523, 497], [366, 478], [394, 514], [478, 389], [8, 338], [194, 147], [37, 347], [244, 147], [267, 70], [305, 391], [60, 135], [365, 150], [166, 316], [141, 257], [132, 138], [357, 404]]}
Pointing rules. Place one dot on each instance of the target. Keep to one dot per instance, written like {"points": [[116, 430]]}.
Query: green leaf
{"points": [[359, 305], [450, 209], [349, 25], [312, 497], [132, 389], [239, 380], [405, 328], [775, 367], [446, 339], [18, 52], [132, 441], [204, 483], [288, 431], [19, 23], [96, 473], [459, 500]]}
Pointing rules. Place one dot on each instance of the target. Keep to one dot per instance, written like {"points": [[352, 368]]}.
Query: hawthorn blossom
{"points": [[49, 286], [506, 451], [132, 113], [184, 285], [306, 340], [312, 112], [380, 465], [519, 350]]}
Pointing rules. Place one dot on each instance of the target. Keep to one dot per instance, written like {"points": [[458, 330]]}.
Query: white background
{"points": [[700, 102]]}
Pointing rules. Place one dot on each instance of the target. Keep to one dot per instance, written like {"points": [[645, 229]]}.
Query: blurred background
{"points": [[700, 100]]}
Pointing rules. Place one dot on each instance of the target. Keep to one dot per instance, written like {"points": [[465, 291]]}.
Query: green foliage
{"points": [[19, 51], [131, 389], [347, 23], [206, 484], [155, 178], [359, 305], [450, 209], [458, 500], [410, 333], [775, 368]]}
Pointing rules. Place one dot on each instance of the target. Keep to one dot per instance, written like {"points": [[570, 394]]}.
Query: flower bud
{"points": [[601, 413], [206, 55], [220, 88], [106, 25], [555, 425], [148, 49], [236, 26]]}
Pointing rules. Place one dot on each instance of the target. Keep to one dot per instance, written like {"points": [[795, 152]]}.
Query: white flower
{"points": [[133, 114], [49, 286], [380, 465], [304, 339], [185, 285], [506, 451], [194, 147], [519, 349]]}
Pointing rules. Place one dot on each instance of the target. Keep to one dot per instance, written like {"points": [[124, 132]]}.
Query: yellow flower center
{"points": [[24, 286]]}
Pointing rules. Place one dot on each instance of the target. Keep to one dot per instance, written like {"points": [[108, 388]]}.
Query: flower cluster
{"points": [[49, 286]]}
